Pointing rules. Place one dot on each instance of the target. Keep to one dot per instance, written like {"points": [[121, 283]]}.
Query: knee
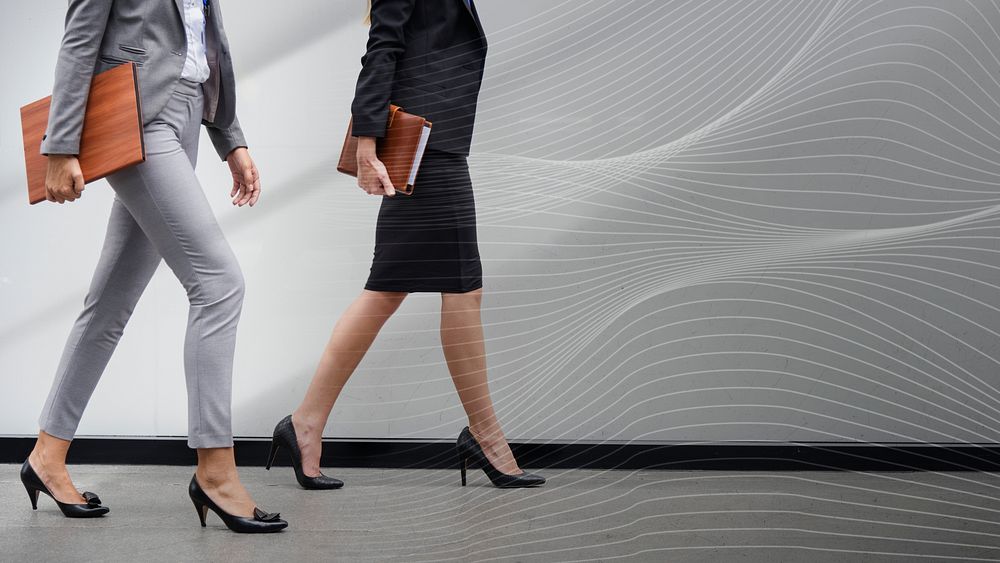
{"points": [[238, 284], [234, 286], [225, 287], [468, 300]]}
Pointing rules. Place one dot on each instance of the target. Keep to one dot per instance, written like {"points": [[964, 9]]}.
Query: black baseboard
{"points": [[415, 454]]}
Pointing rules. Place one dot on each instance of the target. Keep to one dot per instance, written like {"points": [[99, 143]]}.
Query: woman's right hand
{"points": [[372, 176], [63, 178]]}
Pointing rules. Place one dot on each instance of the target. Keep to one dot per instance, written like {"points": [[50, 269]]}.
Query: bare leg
{"points": [[219, 479], [351, 338], [462, 340], [48, 459]]}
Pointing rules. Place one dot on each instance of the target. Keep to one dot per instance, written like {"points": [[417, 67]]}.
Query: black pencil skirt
{"points": [[427, 241]]}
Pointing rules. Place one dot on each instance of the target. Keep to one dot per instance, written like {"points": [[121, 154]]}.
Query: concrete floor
{"points": [[425, 515]]}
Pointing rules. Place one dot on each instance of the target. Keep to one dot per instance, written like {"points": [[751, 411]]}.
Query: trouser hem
{"points": [[63, 433], [210, 441]]}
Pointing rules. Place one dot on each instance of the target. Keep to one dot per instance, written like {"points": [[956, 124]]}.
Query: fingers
{"points": [[374, 189], [249, 176], [256, 189], [373, 178], [238, 192], [387, 186], [74, 191], [249, 185], [245, 193], [379, 185], [63, 179], [371, 186], [246, 186], [246, 190], [70, 191], [62, 194]]}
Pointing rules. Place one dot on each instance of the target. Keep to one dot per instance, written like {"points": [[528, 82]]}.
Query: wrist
{"points": [[235, 152], [367, 150]]}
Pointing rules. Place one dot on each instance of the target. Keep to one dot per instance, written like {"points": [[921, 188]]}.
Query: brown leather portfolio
{"points": [[112, 130], [400, 150]]}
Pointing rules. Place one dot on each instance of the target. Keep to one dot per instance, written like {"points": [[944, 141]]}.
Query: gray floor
{"points": [[417, 515]]}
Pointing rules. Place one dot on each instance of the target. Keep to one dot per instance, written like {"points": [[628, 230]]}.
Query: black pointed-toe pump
{"points": [[469, 450], [33, 484], [260, 523], [284, 436]]}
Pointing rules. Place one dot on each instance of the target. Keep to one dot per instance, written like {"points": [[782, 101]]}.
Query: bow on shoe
{"points": [[93, 501], [262, 516]]}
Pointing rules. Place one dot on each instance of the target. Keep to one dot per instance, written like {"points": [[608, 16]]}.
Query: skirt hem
{"points": [[422, 289]]}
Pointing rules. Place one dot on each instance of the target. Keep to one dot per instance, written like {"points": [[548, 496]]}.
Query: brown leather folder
{"points": [[400, 150], [112, 130]]}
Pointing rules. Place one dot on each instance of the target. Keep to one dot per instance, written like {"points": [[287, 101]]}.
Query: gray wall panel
{"points": [[764, 220]]}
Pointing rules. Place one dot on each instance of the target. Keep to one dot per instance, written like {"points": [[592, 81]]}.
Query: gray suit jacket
{"points": [[101, 34]]}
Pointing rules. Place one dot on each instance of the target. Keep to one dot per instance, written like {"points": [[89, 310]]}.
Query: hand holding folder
{"points": [[401, 150], [112, 130]]}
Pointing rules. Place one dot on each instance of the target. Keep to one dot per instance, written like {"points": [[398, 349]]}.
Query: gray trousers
{"points": [[160, 211]]}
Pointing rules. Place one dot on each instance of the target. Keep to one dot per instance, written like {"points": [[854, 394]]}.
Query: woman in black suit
{"points": [[427, 57]]}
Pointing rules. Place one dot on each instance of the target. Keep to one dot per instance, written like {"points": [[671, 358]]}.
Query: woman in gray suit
{"points": [[160, 212]]}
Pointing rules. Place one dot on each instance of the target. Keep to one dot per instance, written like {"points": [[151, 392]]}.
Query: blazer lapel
{"points": [[475, 18], [180, 8]]}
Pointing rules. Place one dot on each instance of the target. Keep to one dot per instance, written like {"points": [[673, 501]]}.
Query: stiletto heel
{"points": [[33, 495], [34, 485], [468, 448], [284, 436], [260, 523], [271, 455], [463, 463], [202, 511]]}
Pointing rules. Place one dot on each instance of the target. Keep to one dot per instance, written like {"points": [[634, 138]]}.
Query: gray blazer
{"points": [[101, 34]]}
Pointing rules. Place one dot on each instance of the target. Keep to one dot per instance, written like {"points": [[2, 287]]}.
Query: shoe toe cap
{"points": [[322, 482]]}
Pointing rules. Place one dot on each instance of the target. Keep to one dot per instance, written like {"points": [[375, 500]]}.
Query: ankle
{"points": [[213, 477], [306, 424], [49, 451], [42, 459], [486, 432]]}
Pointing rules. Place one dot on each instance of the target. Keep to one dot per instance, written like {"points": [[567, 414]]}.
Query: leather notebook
{"points": [[112, 130], [401, 149]]}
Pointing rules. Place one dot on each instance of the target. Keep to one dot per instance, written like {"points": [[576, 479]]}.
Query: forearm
{"points": [[86, 21], [386, 41], [225, 140]]}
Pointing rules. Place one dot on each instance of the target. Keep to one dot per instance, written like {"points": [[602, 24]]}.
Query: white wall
{"points": [[709, 221]]}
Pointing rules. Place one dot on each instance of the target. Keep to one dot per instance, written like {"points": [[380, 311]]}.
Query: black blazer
{"points": [[427, 57]]}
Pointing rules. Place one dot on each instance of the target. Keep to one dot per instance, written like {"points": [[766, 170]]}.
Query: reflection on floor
{"points": [[425, 515]]}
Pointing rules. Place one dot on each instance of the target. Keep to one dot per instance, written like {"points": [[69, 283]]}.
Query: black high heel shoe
{"points": [[261, 522], [33, 484], [470, 450], [284, 436]]}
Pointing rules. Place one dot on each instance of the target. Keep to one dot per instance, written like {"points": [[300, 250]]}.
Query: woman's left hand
{"points": [[246, 179]]}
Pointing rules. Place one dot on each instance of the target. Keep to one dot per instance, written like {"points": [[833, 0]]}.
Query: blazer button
{"points": [[178, 53]]}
